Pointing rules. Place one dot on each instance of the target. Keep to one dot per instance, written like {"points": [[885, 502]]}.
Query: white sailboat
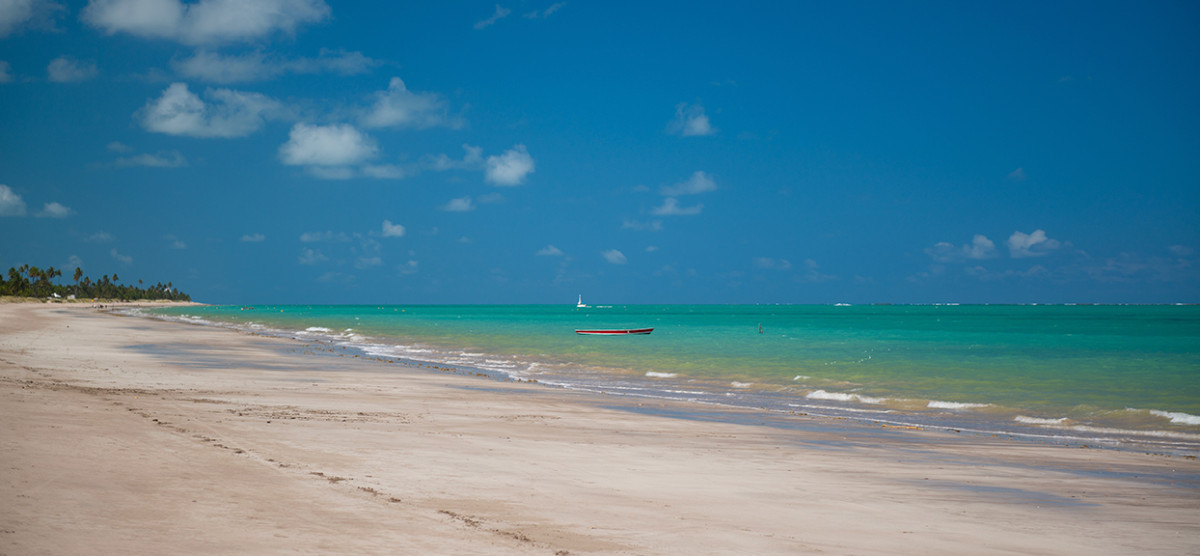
{"points": [[580, 305]]}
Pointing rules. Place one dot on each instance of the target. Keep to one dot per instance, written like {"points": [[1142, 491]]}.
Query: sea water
{"points": [[1121, 375]]}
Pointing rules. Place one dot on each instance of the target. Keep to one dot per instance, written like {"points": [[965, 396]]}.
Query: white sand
{"points": [[130, 436]]}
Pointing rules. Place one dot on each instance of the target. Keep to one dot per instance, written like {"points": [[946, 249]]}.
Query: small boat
{"points": [[615, 331], [580, 305]]}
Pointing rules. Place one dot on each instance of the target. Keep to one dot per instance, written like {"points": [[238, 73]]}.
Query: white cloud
{"points": [[549, 251], [813, 274], [145, 18], [119, 257], [1022, 245], [1017, 175], [666, 270], [205, 21], [670, 207], [407, 268], [54, 210], [331, 172], [1181, 250], [339, 61], [499, 14], [161, 159], [509, 168], [211, 66], [99, 237], [614, 256], [985, 275], [312, 256], [472, 159], [119, 147], [258, 66], [368, 246], [15, 14], [506, 169], [690, 121], [254, 238], [400, 107], [392, 230], [5, 72], [1132, 267], [461, 204], [545, 13], [651, 226], [67, 70], [363, 263], [176, 243], [331, 145], [772, 264], [11, 204], [980, 248], [385, 171], [229, 114], [698, 183], [327, 236], [334, 277]]}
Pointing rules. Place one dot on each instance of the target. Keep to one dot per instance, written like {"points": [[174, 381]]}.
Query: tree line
{"points": [[31, 281]]}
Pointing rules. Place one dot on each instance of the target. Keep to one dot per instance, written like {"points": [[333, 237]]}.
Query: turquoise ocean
{"points": [[1105, 375]]}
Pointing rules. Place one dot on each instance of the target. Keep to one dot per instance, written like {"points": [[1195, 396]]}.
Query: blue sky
{"points": [[298, 151]]}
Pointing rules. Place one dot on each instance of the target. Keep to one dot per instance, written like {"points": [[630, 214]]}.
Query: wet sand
{"points": [[133, 436]]}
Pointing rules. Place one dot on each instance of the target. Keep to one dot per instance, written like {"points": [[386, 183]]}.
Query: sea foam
{"points": [[935, 404], [843, 397], [1039, 420], [1177, 417]]}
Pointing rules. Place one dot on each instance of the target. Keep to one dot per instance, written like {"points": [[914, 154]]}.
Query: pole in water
{"points": [[760, 328]]}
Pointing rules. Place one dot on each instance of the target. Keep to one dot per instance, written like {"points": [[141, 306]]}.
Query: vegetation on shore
{"points": [[31, 281]]}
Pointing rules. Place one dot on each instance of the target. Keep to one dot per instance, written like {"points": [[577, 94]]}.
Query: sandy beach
{"points": [[125, 435]]}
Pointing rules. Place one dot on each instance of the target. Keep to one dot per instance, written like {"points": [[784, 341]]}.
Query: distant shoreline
{"points": [[609, 306], [107, 302]]}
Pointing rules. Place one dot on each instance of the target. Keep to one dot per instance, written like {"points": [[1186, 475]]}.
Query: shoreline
{"points": [[958, 416], [147, 436], [95, 303]]}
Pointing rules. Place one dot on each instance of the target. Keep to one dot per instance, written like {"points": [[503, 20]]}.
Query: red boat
{"points": [[615, 332]]}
